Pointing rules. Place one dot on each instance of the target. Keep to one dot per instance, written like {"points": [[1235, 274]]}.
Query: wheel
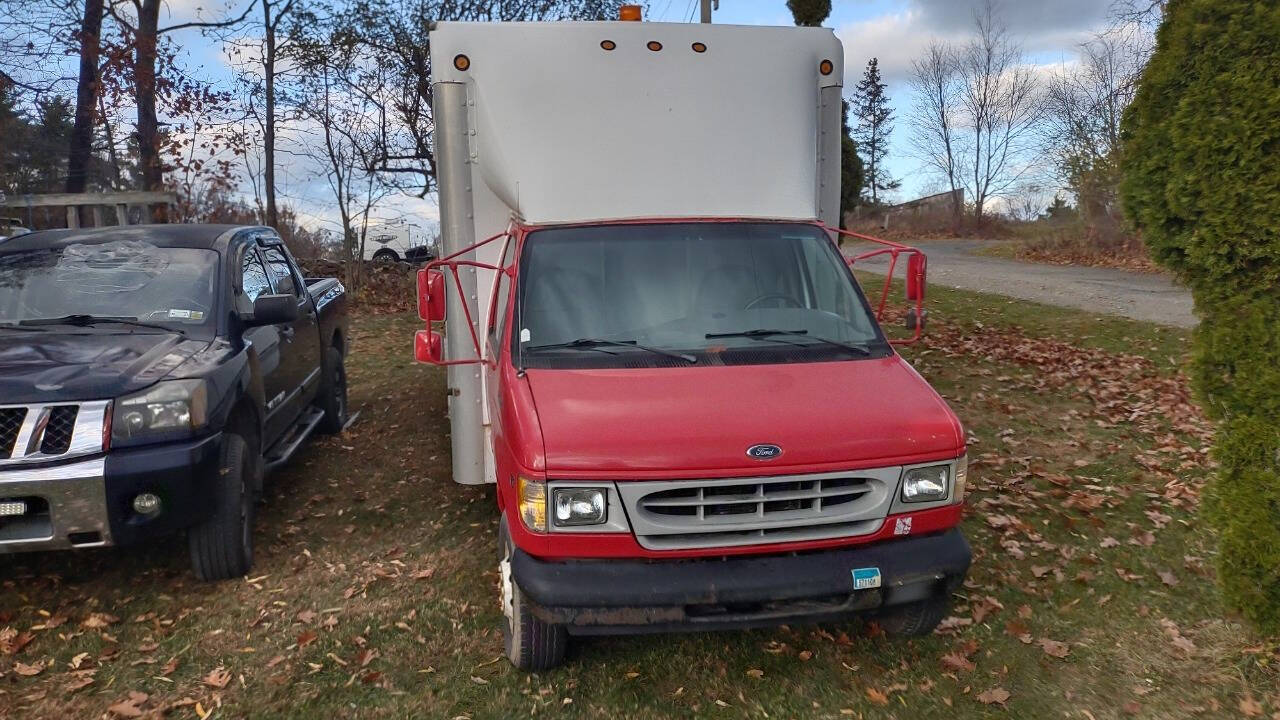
{"points": [[333, 393], [222, 546], [529, 643], [914, 619], [386, 257]]}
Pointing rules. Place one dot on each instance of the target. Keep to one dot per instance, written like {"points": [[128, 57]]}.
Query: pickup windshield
{"points": [[726, 293], [117, 281]]}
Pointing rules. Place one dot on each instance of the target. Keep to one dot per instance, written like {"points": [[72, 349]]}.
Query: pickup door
{"points": [[290, 354]]}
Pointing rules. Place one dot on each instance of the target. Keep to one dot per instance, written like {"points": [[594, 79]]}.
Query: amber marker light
{"points": [[699, 47], [654, 45], [462, 62], [630, 13], [608, 44], [826, 67]]}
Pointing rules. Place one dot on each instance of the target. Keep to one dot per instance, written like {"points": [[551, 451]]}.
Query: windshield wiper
{"points": [[90, 320], [11, 326], [596, 343], [767, 334]]}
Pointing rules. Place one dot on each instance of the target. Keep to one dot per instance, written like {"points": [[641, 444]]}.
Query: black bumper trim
{"points": [[608, 596]]}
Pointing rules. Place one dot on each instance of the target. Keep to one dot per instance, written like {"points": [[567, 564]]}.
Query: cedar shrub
{"points": [[1202, 182]]}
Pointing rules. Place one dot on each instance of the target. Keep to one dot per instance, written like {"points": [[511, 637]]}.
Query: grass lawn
{"points": [[374, 593]]}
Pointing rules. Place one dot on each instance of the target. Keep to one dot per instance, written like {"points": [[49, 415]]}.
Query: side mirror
{"points": [[430, 295], [428, 347], [915, 277], [273, 310]]}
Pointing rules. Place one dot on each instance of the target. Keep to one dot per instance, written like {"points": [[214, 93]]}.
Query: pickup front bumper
{"points": [[89, 502], [641, 596]]}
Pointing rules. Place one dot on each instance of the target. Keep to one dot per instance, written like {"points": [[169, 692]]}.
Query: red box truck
{"points": [[657, 354]]}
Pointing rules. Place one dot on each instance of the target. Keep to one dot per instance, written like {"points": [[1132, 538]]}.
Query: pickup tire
{"points": [[914, 619], [333, 393], [222, 546], [386, 257], [529, 643]]}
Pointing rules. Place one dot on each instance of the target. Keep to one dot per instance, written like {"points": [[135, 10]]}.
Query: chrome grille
{"points": [[670, 515], [58, 431], [10, 423], [33, 433]]}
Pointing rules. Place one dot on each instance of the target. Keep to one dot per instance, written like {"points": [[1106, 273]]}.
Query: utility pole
{"points": [[706, 10]]}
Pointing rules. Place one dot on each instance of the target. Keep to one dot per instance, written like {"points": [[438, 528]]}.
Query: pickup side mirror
{"points": [[428, 347], [431, 295], [273, 310]]}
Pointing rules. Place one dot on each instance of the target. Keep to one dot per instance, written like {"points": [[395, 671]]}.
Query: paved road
{"points": [[1141, 296]]}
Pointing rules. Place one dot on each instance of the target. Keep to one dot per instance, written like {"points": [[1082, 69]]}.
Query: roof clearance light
{"points": [[462, 62], [825, 67], [608, 44], [654, 45], [630, 13], [699, 47]]}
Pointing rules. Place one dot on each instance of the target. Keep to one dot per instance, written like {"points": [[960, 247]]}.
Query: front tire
{"points": [[333, 393], [529, 643], [915, 619], [386, 257], [222, 546]]}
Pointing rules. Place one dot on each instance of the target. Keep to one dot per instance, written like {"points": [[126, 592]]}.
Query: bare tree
{"points": [[1084, 104], [933, 117], [87, 90], [1000, 103]]}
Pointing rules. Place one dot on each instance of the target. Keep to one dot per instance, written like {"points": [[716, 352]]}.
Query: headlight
{"points": [[533, 504], [578, 506], [167, 410], [925, 484]]}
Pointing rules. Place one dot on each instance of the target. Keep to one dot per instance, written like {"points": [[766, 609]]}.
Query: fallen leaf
{"points": [[755, 673], [218, 677], [128, 707], [1249, 707], [1168, 578], [877, 697], [28, 670], [12, 641], [99, 620], [1054, 648], [306, 638], [958, 662], [306, 617], [994, 696]]}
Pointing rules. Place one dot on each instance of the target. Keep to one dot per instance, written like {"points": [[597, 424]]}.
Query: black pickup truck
{"points": [[150, 376]]}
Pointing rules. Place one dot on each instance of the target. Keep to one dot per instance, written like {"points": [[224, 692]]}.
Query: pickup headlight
{"points": [[533, 503], [926, 484], [579, 506], [165, 411]]}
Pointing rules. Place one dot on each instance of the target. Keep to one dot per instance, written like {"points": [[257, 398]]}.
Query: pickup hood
{"points": [[703, 419], [54, 366]]}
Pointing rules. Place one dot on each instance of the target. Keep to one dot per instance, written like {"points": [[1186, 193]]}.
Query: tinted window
{"points": [[254, 279], [280, 270]]}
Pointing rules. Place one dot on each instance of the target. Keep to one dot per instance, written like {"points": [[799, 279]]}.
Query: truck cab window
{"points": [[502, 292], [280, 270], [253, 278]]}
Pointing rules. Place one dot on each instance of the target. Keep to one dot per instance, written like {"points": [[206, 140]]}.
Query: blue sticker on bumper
{"points": [[866, 578]]}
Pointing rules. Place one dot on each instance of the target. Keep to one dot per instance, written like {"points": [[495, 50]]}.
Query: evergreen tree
{"points": [[875, 124], [809, 13], [1202, 183]]}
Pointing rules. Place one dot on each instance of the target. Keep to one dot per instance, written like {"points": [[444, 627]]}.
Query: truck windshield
{"points": [[724, 293], [164, 287]]}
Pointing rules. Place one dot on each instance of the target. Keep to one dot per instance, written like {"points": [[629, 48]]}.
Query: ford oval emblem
{"points": [[764, 451]]}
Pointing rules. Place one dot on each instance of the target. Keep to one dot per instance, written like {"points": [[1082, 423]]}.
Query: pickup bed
{"points": [[150, 376]]}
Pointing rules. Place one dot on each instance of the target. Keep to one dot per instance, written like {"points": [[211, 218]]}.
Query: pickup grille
{"points": [[60, 428], [43, 432], [680, 514], [10, 423]]}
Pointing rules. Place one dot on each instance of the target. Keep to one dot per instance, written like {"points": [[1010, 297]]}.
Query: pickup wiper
{"points": [[767, 334], [597, 343], [90, 320], [12, 326]]}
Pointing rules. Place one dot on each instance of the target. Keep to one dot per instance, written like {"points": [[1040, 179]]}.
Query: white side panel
{"points": [[566, 131]]}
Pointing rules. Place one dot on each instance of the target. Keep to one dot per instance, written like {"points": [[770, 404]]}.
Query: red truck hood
{"points": [[698, 419]]}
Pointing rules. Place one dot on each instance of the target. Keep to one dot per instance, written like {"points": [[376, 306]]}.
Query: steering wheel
{"points": [[774, 296]]}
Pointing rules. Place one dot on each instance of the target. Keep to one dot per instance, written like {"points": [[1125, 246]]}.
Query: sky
{"points": [[894, 31]]}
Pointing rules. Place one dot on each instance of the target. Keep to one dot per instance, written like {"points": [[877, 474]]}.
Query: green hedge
{"points": [[1202, 182]]}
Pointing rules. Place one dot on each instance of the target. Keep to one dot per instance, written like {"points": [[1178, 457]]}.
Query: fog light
{"points": [[12, 508], [146, 504], [579, 506]]}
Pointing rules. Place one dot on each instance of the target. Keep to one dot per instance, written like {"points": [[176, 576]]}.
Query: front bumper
{"points": [[89, 503], [637, 596]]}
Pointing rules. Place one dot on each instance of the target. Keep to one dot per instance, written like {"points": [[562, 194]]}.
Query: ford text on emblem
{"points": [[764, 452]]}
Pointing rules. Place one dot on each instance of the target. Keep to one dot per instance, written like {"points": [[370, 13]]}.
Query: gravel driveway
{"points": [[1141, 296]]}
